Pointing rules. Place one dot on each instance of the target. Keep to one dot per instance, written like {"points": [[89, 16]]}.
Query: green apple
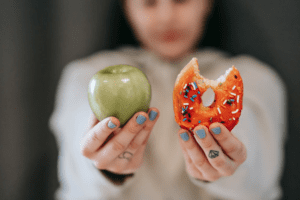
{"points": [[119, 91]]}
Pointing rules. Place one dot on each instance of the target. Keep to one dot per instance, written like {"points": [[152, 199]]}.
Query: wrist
{"points": [[117, 179]]}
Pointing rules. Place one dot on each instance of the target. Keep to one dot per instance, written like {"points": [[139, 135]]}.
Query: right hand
{"points": [[118, 150]]}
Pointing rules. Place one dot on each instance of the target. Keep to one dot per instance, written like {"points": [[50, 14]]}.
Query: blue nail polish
{"points": [[111, 125], [216, 130], [140, 119], [152, 115], [201, 133], [184, 136]]}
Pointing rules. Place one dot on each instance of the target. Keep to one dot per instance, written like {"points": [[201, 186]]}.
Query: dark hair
{"points": [[121, 33]]}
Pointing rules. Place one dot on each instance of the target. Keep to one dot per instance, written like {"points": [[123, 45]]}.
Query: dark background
{"points": [[38, 38]]}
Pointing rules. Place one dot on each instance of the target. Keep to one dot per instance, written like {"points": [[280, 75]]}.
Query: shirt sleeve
{"points": [[262, 128], [78, 177]]}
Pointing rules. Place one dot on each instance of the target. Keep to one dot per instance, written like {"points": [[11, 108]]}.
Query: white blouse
{"points": [[262, 128]]}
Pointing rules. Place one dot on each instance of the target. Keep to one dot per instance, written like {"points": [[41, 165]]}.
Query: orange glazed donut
{"points": [[189, 87]]}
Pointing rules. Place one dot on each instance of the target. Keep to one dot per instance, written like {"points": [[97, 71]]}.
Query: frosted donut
{"points": [[189, 88]]}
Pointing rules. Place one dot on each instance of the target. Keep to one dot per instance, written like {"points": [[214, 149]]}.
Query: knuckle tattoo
{"points": [[126, 155], [213, 154]]}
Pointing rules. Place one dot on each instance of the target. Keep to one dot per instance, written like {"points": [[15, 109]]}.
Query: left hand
{"points": [[216, 153]]}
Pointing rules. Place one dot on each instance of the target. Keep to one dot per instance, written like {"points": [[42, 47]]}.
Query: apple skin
{"points": [[119, 91]]}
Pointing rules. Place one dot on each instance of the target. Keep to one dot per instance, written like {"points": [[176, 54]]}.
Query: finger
{"points": [[231, 146], [116, 147], [213, 151], [190, 167], [196, 155], [98, 135], [92, 121], [136, 161], [144, 134], [120, 167]]}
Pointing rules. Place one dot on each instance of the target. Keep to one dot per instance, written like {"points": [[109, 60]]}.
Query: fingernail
{"points": [[216, 130], [111, 125], [201, 133], [152, 115], [140, 119], [184, 136]]}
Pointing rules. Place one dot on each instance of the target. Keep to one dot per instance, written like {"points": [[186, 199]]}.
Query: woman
{"points": [[144, 159]]}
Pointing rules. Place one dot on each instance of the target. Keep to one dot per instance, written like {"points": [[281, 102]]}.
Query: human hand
{"points": [[118, 150], [211, 154]]}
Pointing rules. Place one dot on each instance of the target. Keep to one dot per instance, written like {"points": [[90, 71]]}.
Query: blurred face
{"points": [[169, 28]]}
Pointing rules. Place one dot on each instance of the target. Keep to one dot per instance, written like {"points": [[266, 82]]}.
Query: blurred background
{"points": [[39, 37]]}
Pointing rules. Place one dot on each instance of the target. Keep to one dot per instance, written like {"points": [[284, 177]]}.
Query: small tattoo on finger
{"points": [[213, 154], [126, 155]]}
